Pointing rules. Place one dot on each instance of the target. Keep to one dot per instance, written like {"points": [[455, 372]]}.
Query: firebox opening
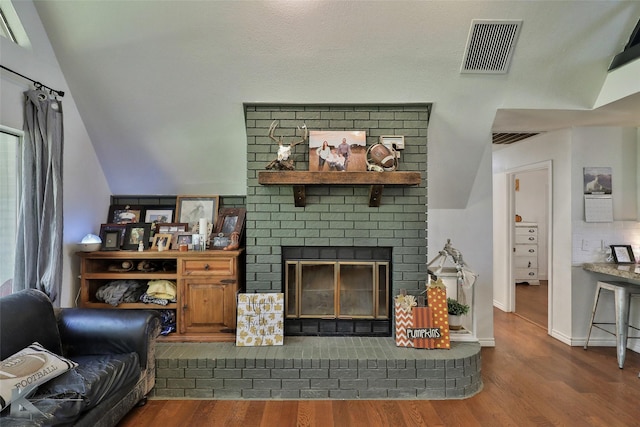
{"points": [[337, 291]]}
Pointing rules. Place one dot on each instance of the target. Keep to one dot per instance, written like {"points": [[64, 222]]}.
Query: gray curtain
{"points": [[38, 260]]}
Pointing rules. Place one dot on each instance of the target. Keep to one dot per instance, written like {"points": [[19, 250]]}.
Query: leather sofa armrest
{"points": [[87, 331]]}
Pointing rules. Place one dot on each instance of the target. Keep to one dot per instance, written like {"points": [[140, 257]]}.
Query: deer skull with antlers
{"points": [[284, 151]]}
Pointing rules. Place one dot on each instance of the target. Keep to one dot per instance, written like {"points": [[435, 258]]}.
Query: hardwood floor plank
{"points": [[530, 379]]}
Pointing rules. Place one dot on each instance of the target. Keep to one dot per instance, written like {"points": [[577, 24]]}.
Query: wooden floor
{"points": [[530, 379], [532, 302]]}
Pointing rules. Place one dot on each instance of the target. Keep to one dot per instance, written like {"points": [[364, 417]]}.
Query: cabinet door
{"points": [[207, 306]]}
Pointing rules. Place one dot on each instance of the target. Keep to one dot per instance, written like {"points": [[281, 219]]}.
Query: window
{"points": [[10, 25], [5, 28], [10, 141]]}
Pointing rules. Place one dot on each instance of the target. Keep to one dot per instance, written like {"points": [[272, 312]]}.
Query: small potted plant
{"points": [[456, 311]]}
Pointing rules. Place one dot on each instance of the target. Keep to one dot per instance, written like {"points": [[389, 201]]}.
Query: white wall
{"points": [[470, 232], [86, 193]]}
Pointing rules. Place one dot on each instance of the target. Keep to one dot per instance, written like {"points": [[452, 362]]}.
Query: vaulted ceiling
{"points": [[160, 85]]}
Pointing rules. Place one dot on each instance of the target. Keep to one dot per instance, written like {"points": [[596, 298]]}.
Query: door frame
{"points": [[510, 197]]}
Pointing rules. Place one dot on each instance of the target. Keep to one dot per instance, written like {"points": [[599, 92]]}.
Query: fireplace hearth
{"points": [[337, 291]]}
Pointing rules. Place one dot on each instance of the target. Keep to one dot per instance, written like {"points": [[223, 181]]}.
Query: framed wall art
{"points": [[337, 151], [623, 254], [112, 236], [135, 234], [125, 214], [190, 209]]}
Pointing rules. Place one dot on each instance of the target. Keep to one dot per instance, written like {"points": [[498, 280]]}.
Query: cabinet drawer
{"points": [[526, 262], [526, 238], [217, 266], [526, 274], [528, 231], [526, 250]]}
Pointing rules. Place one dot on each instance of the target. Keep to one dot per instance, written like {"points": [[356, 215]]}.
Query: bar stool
{"points": [[622, 295]]}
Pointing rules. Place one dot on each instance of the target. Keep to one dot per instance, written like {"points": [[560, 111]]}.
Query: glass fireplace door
{"points": [[344, 289]]}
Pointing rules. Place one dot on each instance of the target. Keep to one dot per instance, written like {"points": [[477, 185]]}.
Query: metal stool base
{"points": [[622, 296]]}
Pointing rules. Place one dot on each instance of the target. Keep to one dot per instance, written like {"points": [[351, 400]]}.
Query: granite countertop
{"points": [[626, 271]]}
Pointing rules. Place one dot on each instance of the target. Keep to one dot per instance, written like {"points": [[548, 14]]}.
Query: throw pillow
{"points": [[29, 368]]}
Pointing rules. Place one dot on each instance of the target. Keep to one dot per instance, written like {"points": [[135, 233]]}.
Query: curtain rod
{"points": [[37, 84]]}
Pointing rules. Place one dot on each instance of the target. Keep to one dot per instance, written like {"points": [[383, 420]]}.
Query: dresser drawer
{"points": [[528, 231], [526, 250], [526, 262], [212, 266], [526, 274], [527, 238]]}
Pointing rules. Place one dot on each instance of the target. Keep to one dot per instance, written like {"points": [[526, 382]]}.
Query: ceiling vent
{"points": [[511, 137], [490, 46]]}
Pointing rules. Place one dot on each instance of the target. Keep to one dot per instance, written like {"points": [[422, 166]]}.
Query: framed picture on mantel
{"points": [[623, 254]]}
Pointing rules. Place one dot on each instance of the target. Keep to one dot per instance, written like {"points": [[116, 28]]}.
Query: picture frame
{"points": [[189, 209], [337, 151], [166, 238], [136, 233], [172, 227], [158, 216], [182, 238], [125, 214], [112, 236], [230, 220], [597, 180], [623, 254]]}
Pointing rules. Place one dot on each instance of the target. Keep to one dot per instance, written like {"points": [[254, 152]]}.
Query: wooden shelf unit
{"points": [[300, 179], [207, 286]]}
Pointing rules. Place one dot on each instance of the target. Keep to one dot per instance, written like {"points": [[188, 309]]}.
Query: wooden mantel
{"points": [[300, 179]]}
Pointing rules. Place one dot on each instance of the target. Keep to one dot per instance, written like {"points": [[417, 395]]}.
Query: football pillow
{"points": [[382, 156], [29, 368]]}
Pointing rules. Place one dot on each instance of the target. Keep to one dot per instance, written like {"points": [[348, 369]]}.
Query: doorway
{"points": [[530, 196]]}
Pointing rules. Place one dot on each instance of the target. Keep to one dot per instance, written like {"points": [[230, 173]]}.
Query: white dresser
{"points": [[526, 253]]}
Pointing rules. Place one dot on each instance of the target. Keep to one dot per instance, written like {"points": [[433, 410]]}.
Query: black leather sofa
{"points": [[114, 349]]}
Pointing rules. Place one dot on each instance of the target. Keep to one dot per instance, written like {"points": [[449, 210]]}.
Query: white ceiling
{"points": [[160, 85]]}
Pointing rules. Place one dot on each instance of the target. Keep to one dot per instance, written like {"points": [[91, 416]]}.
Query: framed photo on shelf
{"points": [[230, 220], [125, 214], [112, 236], [157, 216], [190, 209], [136, 233], [172, 227], [165, 238], [335, 151], [623, 254], [183, 239]]}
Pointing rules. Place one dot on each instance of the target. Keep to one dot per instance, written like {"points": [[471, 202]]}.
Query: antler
{"points": [[304, 136], [272, 129]]}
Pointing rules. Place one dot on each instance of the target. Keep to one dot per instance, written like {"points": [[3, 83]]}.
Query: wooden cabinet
{"points": [[526, 253], [207, 286]]}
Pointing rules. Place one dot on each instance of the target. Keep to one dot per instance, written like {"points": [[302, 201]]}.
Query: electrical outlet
{"points": [[587, 245]]}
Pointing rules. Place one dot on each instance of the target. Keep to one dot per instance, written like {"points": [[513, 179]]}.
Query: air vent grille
{"points": [[511, 137], [490, 46]]}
